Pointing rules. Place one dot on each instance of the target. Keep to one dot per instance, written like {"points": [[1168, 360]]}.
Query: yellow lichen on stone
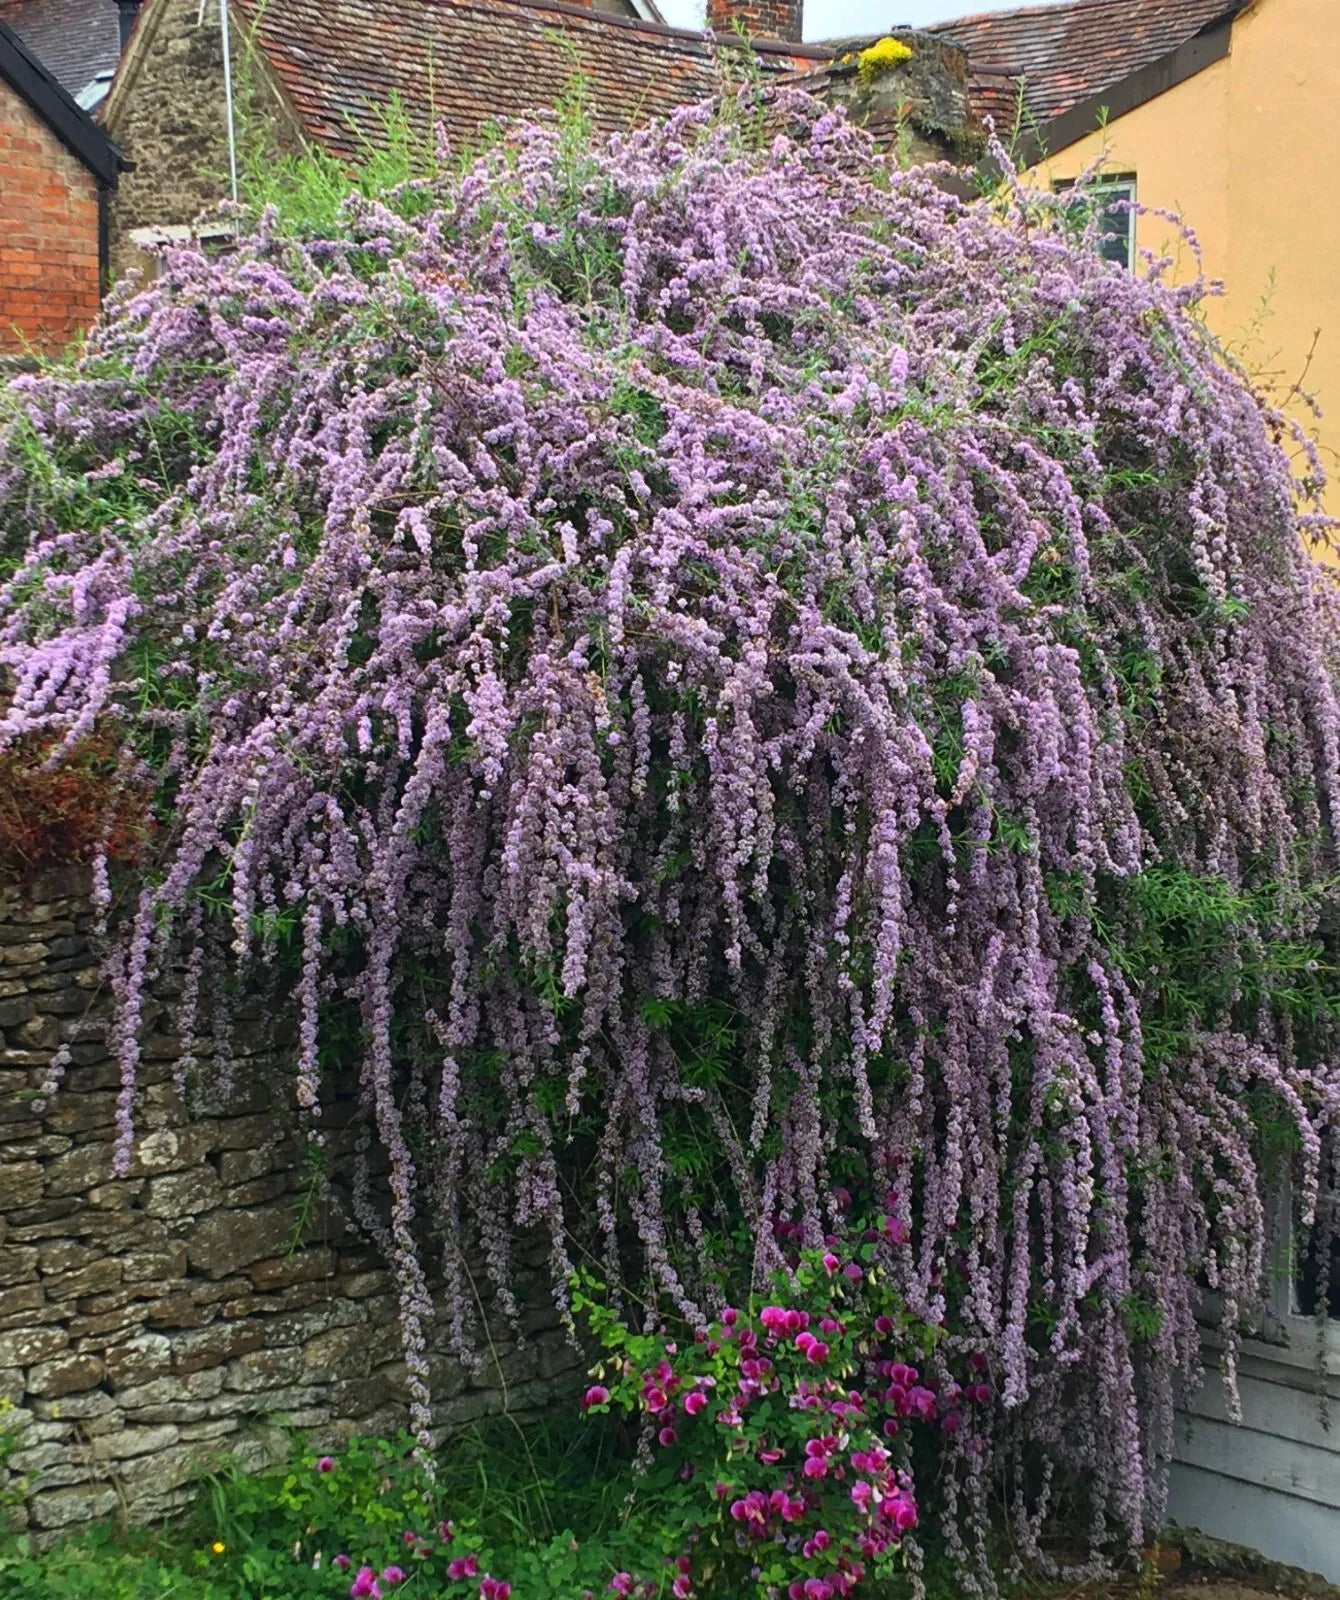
{"points": [[881, 57]]}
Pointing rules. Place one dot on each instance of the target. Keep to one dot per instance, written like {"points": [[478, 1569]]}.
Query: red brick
{"points": [[49, 272]]}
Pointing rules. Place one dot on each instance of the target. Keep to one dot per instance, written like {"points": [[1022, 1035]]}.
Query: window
{"points": [[1113, 201], [1307, 1269]]}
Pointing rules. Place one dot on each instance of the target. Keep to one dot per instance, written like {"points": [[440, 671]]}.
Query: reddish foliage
{"points": [[54, 813]]}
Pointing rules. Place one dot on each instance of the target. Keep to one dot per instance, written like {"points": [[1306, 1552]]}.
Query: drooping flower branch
{"points": [[749, 675]]}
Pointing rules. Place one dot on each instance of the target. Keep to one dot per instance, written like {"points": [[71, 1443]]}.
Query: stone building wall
{"points": [[149, 1322], [167, 114]]}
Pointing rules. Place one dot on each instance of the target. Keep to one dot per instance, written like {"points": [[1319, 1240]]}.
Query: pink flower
{"points": [[681, 1588], [393, 1574], [365, 1585], [596, 1395], [667, 1437], [621, 1583], [463, 1567], [694, 1402], [341, 1561], [494, 1589], [445, 1532], [655, 1399], [817, 1353], [853, 1272], [326, 1464], [831, 1263]]}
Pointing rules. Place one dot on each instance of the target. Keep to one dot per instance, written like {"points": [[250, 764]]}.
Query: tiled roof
{"points": [[464, 63], [1069, 52], [74, 39]]}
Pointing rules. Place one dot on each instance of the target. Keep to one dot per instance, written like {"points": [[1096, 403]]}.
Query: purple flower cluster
{"points": [[769, 589]]}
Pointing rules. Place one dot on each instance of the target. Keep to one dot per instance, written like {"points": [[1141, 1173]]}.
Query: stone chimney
{"points": [[127, 10], [760, 19]]}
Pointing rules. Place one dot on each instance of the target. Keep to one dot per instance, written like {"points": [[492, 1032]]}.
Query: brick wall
{"points": [[149, 1322], [49, 276]]}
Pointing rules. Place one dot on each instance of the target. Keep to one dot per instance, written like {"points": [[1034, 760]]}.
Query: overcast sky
{"points": [[833, 19]]}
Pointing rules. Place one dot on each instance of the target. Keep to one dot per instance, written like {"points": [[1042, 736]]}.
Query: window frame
{"points": [[1118, 186]]}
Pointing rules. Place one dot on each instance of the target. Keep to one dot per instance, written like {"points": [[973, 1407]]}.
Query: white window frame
{"points": [[1284, 1332], [1121, 186]]}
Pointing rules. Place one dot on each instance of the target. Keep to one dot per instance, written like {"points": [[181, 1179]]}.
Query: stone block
{"points": [[341, 1353], [222, 1243], [18, 1264], [62, 1474], [304, 1266], [78, 1170], [165, 1470], [98, 1278], [174, 1311], [265, 1368], [173, 1387], [31, 954], [139, 1360], [117, 1196], [164, 1263], [67, 1375], [205, 1432], [258, 1191], [202, 1349], [240, 1166], [94, 1406], [21, 1185], [257, 1132], [127, 1442], [25, 1347], [62, 1508], [183, 1194]]}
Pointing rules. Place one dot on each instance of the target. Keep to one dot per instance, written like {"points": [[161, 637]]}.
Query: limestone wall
{"points": [[151, 1321]]}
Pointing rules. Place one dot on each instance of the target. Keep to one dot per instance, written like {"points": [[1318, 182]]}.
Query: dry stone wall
{"points": [[213, 1295]]}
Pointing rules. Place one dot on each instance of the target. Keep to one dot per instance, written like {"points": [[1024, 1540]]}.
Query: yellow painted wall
{"points": [[1248, 152]]}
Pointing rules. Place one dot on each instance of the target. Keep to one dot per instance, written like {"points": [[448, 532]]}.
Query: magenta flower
{"points": [[393, 1574], [463, 1567], [667, 1436], [596, 1395], [325, 1464], [365, 1585], [494, 1589], [340, 1561], [831, 1263], [694, 1402], [621, 1583]]}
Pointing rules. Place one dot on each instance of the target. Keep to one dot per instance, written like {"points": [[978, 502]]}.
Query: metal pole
{"points": [[228, 97]]}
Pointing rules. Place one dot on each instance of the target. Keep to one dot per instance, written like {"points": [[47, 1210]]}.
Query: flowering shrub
{"points": [[726, 671], [781, 1434]]}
